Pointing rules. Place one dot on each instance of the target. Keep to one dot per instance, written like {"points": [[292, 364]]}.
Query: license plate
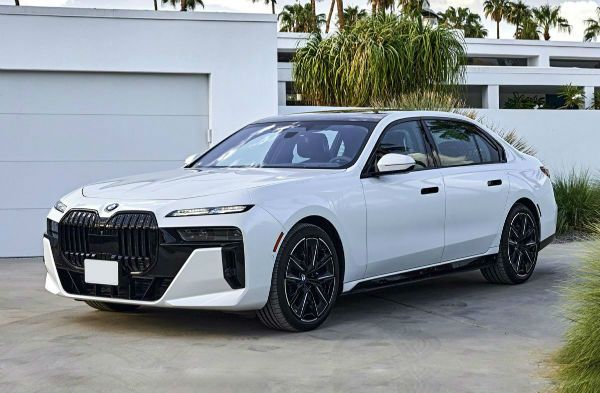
{"points": [[101, 272]]}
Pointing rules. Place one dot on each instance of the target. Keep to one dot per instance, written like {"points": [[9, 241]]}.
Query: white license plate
{"points": [[101, 272]]}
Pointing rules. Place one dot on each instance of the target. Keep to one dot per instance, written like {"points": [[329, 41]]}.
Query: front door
{"points": [[405, 211]]}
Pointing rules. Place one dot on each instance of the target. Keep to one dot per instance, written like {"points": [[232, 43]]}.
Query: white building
{"points": [[88, 94], [496, 70]]}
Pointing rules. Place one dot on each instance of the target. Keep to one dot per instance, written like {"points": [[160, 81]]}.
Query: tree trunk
{"points": [[329, 15], [547, 34], [155, 6], [273, 6], [17, 2], [340, 10], [498, 29], [313, 4], [374, 7], [183, 5]]}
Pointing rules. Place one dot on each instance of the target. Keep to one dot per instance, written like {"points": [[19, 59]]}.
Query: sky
{"points": [[576, 11]]}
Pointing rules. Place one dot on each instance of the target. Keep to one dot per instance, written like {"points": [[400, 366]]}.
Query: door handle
{"points": [[430, 190], [492, 183]]}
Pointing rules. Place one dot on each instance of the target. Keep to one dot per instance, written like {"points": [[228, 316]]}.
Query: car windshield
{"points": [[301, 144]]}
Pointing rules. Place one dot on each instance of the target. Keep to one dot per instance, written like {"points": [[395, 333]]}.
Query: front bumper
{"points": [[199, 282]]}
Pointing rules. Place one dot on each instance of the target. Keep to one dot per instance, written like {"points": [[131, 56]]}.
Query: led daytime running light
{"points": [[210, 211]]}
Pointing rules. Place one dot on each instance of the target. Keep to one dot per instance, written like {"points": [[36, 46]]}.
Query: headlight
{"points": [[61, 207], [209, 211]]}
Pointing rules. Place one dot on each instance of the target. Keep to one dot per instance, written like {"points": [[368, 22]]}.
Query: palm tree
{"points": [[411, 7], [463, 19], [267, 2], [529, 30], [186, 5], [329, 15], [298, 18], [496, 10], [518, 13], [548, 17], [155, 5], [340, 11], [592, 30], [378, 60], [380, 6], [353, 15]]}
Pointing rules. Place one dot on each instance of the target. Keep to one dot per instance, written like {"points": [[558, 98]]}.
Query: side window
{"points": [[405, 138], [460, 144], [489, 152]]}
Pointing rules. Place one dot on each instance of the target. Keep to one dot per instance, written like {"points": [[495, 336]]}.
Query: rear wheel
{"points": [[519, 246], [305, 281], [115, 307]]}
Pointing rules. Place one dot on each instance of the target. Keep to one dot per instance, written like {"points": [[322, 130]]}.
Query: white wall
{"points": [[92, 94], [564, 139]]}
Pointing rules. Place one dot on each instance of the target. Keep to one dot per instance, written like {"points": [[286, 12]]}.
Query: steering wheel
{"points": [[421, 163], [340, 160]]}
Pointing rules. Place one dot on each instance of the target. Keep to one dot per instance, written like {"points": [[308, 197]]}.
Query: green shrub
{"points": [[578, 197], [520, 101], [573, 96], [422, 100], [578, 361], [378, 59]]}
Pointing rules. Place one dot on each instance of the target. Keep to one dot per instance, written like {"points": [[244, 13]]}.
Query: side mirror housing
{"points": [[393, 162], [190, 159]]}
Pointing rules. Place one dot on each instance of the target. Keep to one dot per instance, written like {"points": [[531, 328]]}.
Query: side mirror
{"points": [[393, 162], [190, 159]]}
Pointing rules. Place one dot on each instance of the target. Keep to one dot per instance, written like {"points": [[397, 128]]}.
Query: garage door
{"points": [[64, 129]]}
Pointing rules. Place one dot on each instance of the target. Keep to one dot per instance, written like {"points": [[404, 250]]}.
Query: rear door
{"points": [[476, 183], [405, 211]]}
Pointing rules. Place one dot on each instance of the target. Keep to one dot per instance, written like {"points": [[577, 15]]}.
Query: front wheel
{"points": [[519, 246], [305, 281]]}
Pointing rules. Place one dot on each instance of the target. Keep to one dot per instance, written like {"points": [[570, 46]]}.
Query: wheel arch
{"points": [[331, 230], [533, 208]]}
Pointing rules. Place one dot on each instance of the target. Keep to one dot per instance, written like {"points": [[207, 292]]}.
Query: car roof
{"points": [[327, 116], [356, 115]]}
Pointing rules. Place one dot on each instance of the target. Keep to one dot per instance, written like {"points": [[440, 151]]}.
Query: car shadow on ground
{"points": [[409, 303]]}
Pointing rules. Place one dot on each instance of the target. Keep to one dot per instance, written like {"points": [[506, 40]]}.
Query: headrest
{"points": [[314, 146]]}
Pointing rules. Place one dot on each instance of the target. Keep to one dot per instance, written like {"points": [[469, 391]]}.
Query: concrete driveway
{"points": [[455, 334]]}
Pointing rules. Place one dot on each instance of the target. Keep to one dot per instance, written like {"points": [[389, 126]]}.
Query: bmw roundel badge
{"points": [[111, 207]]}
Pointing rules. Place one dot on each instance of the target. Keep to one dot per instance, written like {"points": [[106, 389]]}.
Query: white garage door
{"points": [[63, 129]]}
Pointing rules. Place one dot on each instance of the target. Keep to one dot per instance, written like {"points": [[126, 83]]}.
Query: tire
{"points": [[519, 246], [114, 307], [303, 290]]}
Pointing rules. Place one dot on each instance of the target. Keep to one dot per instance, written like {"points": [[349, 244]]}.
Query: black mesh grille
{"points": [[127, 237], [73, 232]]}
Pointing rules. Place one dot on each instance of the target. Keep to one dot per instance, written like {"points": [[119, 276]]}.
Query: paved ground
{"points": [[456, 334]]}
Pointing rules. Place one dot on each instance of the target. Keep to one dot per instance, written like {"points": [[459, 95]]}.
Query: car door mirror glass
{"points": [[393, 162], [190, 159]]}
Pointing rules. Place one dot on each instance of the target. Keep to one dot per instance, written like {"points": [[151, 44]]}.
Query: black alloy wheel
{"points": [[305, 283], [519, 247]]}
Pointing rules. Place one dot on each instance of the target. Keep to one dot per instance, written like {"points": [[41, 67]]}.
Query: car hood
{"points": [[190, 183]]}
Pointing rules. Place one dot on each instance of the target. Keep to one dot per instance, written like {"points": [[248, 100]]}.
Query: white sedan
{"points": [[290, 212]]}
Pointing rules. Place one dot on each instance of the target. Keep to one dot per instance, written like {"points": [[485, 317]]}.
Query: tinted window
{"points": [[461, 144], [405, 138], [303, 144], [497, 61], [489, 153]]}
